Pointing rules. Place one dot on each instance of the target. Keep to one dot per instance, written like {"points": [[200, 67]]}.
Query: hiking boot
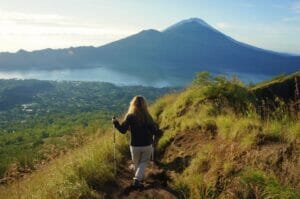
{"points": [[132, 167], [137, 184]]}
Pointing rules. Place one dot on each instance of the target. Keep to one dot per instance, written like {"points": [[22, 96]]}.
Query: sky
{"points": [[36, 24]]}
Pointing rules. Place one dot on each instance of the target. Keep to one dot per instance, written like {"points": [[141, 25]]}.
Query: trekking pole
{"points": [[153, 150], [114, 143]]}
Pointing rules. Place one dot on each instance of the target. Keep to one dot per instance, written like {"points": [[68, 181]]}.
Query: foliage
{"points": [[21, 100], [76, 175], [39, 120], [230, 110], [221, 90], [277, 79], [263, 185], [242, 152]]}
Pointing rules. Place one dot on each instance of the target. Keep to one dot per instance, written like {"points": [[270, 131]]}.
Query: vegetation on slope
{"points": [[39, 120], [282, 87], [21, 100], [216, 144], [77, 174], [41, 140], [278, 79]]}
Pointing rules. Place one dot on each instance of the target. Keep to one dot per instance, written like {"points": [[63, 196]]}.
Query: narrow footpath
{"points": [[155, 184]]}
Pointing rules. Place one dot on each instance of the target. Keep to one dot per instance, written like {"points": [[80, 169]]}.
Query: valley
{"points": [[42, 119]]}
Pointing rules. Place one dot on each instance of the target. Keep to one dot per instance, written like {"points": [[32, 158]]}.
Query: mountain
{"points": [[179, 51]]}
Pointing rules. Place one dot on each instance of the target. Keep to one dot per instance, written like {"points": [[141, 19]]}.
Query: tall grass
{"points": [[229, 108], [263, 185], [193, 183], [80, 174], [224, 108]]}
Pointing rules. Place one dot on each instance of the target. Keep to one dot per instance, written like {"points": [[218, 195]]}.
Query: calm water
{"points": [[106, 75]]}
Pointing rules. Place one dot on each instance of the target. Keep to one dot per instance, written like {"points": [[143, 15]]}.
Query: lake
{"points": [[107, 75]]}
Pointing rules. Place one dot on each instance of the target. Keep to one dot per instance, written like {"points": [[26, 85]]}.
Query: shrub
{"points": [[192, 187], [292, 131], [262, 185], [160, 105]]}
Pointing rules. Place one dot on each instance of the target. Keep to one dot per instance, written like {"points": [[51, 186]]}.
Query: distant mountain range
{"points": [[180, 51]]}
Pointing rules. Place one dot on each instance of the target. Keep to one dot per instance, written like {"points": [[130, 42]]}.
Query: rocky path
{"points": [[155, 184]]}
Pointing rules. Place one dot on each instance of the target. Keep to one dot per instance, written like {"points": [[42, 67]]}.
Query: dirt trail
{"points": [[179, 153], [155, 184]]}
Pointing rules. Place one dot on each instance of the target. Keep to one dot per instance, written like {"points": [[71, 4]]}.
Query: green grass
{"points": [[265, 185], [227, 163], [40, 140], [278, 79], [193, 183], [228, 107], [79, 174]]}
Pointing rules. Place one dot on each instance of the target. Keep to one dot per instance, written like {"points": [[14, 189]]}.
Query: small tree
{"points": [[202, 79]]}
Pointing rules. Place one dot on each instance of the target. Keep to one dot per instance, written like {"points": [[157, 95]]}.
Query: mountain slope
{"points": [[214, 145], [217, 145], [179, 51]]}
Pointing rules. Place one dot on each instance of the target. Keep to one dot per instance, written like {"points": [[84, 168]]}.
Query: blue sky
{"points": [[36, 24]]}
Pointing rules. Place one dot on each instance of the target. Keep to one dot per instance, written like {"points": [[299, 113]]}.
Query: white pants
{"points": [[140, 156]]}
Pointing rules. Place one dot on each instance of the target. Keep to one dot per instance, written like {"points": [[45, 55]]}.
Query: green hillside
{"points": [[218, 142], [39, 120], [282, 86], [276, 80]]}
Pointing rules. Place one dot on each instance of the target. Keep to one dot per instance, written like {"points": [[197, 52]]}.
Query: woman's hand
{"points": [[114, 120]]}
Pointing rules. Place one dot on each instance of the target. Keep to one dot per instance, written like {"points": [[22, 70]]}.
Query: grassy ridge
{"points": [[242, 153], [75, 175], [277, 79], [282, 87], [46, 138]]}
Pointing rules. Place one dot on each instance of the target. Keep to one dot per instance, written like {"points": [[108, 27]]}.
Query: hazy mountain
{"points": [[179, 51]]}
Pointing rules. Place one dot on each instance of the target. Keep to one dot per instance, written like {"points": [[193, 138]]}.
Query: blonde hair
{"points": [[138, 107]]}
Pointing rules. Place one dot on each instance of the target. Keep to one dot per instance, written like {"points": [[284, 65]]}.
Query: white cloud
{"points": [[295, 7], [294, 16], [23, 23], [33, 18], [222, 25], [35, 31], [291, 19]]}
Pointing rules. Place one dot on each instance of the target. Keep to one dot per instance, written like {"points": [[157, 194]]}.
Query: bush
{"points": [[262, 185], [222, 92]]}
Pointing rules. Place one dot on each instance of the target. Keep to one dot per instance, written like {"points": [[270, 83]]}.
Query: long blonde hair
{"points": [[138, 107]]}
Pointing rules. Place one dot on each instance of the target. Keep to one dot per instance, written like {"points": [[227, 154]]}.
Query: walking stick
{"points": [[153, 150], [114, 143]]}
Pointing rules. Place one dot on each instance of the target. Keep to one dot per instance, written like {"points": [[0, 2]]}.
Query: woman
{"points": [[143, 129]]}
